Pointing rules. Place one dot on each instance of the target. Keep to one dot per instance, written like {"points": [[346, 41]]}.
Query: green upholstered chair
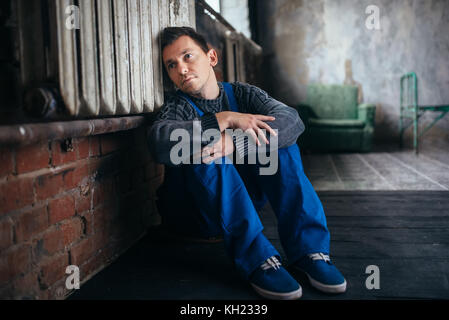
{"points": [[334, 120]]}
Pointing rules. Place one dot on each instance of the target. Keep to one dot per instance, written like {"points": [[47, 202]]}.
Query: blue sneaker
{"points": [[322, 274], [272, 281]]}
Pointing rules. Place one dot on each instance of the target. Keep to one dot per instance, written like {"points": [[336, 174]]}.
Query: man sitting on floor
{"points": [[213, 196]]}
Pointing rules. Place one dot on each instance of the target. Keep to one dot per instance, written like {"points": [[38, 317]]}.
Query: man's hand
{"points": [[249, 123], [221, 148]]}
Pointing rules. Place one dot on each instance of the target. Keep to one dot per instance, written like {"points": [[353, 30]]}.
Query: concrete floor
{"points": [[386, 168]]}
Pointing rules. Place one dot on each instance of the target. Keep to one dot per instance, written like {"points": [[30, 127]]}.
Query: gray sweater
{"points": [[178, 113]]}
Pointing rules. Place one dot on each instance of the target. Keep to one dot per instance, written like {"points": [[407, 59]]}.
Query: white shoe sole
{"points": [[276, 295], [327, 288]]}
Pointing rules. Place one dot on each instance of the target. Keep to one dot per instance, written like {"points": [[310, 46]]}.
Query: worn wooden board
{"points": [[411, 250], [410, 247]]}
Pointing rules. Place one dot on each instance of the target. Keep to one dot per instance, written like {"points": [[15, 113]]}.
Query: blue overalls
{"points": [[223, 199]]}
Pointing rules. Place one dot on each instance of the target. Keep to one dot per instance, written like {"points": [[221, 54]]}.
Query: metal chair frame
{"points": [[410, 109]]}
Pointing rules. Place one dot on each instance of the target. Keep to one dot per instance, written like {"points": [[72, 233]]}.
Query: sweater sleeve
{"points": [[171, 132], [288, 124]]}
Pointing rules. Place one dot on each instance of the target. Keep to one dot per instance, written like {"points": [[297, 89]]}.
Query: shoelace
{"points": [[319, 256], [271, 262]]}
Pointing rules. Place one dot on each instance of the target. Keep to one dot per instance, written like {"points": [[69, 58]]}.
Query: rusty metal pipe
{"points": [[23, 134]]}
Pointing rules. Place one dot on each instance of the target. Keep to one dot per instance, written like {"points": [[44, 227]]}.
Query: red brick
{"points": [[27, 286], [94, 146], [100, 220], [72, 230], [104, 166], [49, 185], [81, 251], [105, 225], [83, 200], [98, 195], [32, 157], [7, 292], [30, 223], [53, 270], [100, 239], [96, 263], [109, 143], [58, 291], [14, 262], [6, 161], [16, 194], [83, 147], [43, 295], [88, 222], [61, 209], [94, 166], [6, 233], [104, 192], [53, 241], [59, 156], [76, 176]]}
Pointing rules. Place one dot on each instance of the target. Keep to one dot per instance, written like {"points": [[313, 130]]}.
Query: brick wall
{"points": [[81, 203]]}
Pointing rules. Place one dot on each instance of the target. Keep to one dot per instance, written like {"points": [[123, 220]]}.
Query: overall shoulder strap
{"points": [[200, 113], [229, 93], [231, 97]]}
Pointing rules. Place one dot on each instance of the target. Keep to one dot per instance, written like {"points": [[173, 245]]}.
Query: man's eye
{"points": [[171, 65], [188, 56]]}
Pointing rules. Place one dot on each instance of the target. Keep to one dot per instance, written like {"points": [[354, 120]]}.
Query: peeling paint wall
{"points": [[327, 41]]}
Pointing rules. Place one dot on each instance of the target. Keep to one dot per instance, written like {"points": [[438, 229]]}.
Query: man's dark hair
{"points": [[171, 34]]}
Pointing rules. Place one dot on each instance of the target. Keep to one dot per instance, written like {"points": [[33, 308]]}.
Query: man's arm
{"points": [[170, 118], [249, 123], [288, 123], [255, 101]]}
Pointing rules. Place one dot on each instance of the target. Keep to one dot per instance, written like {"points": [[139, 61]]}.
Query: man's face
{"points": [[188, 66]]}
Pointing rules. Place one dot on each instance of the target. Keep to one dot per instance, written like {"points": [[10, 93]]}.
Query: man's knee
{"points": [[211, 173], [291, 157]]}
